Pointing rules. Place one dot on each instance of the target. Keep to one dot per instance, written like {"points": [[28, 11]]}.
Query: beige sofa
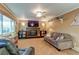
{"points": [[59, 40]]}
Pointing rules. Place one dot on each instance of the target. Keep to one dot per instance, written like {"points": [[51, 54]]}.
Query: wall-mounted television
{"points": [[32, 23]]}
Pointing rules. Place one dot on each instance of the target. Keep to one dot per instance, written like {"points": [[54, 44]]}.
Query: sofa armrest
{"points": [[27, 51], [3, 51]]}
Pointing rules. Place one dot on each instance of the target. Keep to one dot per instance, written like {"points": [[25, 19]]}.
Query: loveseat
{"points": [[59, 40]]}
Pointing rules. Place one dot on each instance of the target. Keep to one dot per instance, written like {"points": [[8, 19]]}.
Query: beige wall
{"points": [[42, 24], [67, 28]]}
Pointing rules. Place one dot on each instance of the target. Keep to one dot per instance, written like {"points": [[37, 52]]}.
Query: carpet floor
{"points": [[44, 48]]}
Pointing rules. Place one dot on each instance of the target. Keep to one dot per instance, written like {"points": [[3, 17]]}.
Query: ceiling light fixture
{"points": [[39, 12]]}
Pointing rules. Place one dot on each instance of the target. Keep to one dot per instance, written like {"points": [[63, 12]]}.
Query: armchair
{"points": [[8, 48]]}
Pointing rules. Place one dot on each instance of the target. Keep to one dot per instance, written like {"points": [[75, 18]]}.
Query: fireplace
{"points": [[32, 33]]}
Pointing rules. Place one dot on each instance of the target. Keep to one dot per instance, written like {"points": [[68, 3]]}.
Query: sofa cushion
{"points": [[54, 35], [61, 37], [67, 36]]}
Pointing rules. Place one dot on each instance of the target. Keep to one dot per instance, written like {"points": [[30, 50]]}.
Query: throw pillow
{"points": [[61, 37]]}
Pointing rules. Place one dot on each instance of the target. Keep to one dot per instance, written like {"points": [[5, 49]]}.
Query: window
{"points": [[13, 26], [1, 23], [7, 25]]}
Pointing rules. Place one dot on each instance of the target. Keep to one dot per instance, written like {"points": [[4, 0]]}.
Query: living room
{"points": [[45, 29]]}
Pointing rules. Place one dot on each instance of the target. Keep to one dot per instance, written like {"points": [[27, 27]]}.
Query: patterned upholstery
{"points": [[60, 40]]}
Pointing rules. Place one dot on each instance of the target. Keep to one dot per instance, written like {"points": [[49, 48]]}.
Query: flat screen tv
{"points": [[33, 23]]}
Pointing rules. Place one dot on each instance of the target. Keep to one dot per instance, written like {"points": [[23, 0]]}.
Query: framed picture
{"points": [[76, 20]]}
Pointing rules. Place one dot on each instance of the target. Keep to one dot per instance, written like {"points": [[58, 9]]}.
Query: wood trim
{"points": [[6, 11]]}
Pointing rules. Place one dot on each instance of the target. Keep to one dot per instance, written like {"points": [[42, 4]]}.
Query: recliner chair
{"points": [[8, 48]]}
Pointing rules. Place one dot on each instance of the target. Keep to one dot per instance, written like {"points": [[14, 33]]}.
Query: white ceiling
{"points": [[54, 9]]}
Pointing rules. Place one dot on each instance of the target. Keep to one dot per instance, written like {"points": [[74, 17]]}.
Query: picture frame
{"points": [[76, 21]]}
